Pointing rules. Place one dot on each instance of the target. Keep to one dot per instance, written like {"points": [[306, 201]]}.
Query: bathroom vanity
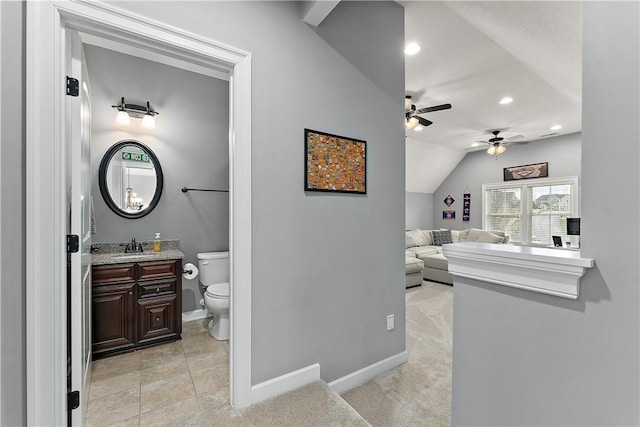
{"points": [[136, 300]]}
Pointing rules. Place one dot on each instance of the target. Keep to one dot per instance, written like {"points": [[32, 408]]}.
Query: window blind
{"points": [[533, 211]]}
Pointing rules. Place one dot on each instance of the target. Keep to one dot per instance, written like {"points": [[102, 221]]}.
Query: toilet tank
{"points": [[213, 267]]}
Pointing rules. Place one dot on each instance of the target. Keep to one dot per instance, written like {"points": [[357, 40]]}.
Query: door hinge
{"points": [[73, 400], [73, 86], [73, 243]]}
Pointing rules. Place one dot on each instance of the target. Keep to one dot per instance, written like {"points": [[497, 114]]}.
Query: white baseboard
{"points": [[367, 373], [194, 315], [284, 383]]}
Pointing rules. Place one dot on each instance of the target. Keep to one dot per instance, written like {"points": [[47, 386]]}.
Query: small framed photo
{"points": [[449, 215], [537, 170], [334, 163]]}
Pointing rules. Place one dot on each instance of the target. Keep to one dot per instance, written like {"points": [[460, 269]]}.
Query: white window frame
{"points": [[524, 185]]}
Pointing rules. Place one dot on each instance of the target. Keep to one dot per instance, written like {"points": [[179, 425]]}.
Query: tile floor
{"points": [[160, 384], [186, 382]]}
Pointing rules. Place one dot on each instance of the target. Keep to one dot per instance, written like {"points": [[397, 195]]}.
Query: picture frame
{"points": [[535, 170], [449, 215], [334, 163]]}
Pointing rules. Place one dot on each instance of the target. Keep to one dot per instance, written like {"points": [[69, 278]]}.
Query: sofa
{"points": [[426, 246]]}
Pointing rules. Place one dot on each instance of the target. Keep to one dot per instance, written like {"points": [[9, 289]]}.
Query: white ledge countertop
{"points": [[552, 271]]}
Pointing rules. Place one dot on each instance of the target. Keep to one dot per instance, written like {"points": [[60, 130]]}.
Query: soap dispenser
{"points": [[156, 243]]}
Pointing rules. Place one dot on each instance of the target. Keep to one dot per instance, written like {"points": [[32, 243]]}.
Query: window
{"points": [[532, 211]]}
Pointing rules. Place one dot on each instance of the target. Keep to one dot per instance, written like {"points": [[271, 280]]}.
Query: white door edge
{"points": [[45, 195], [0, 216]]}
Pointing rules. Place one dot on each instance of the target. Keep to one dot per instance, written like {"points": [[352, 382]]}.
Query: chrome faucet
{"points": [[133, 247]]}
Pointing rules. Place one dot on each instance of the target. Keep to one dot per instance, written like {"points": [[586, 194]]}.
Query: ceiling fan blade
{"points": [[423, 121], [513, 138], [434, 108], [517, 142]]}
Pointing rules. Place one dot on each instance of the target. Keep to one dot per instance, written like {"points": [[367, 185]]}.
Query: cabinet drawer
{"points": [[157, 269], [156, 288], [113, 273], [157, 319]]}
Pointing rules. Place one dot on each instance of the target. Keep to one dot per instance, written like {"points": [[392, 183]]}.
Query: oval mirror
{"points": [[130, 179]]}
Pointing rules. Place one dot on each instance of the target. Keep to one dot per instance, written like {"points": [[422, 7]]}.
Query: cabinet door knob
{"points": [[157, 318], [157, 290], [130, 292]]}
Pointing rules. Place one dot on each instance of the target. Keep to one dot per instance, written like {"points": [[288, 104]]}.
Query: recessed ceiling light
{"points": [[506, 100], [412, 49], [556, 127], [418, 128], [475, 144]]}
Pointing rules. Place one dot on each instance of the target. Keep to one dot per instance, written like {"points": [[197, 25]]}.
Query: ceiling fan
{"points": [[411, 114], [498, 144]]}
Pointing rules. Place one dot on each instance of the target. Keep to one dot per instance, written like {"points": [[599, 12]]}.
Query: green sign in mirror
{"points": [[136, 157]]}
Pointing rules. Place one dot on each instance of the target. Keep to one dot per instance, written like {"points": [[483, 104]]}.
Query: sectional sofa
{"points": [[426, 246]]}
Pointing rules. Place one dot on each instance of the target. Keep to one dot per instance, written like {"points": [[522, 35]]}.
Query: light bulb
{"points": [[122, 118], [491, 151], [412, 49], [411, 122], [407, 103], [500, 149], [148, 121]]}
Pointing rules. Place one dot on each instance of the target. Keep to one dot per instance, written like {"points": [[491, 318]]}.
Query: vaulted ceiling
{"points": [[475, 53]]}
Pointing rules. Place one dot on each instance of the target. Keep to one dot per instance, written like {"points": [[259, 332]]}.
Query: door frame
{"points": [[46, 193]]}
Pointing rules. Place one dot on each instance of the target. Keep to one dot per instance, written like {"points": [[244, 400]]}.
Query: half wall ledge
{"points": [[548, 271]]}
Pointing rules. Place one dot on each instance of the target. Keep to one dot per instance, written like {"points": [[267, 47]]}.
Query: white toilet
{"points": [[214, 277]]}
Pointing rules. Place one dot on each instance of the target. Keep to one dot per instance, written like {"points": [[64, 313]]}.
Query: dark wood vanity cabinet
{"points": [[135, 305]]}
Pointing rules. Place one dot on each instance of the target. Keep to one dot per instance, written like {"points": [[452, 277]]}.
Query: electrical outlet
{"points": [[390, 322]]}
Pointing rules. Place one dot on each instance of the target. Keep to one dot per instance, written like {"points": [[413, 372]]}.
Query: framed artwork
{"points": [[334, 163], [537, 170], [448, 215], [466, 206]]}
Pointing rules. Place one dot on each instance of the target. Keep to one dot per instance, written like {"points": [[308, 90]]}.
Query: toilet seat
{"points": [[218, 290]]}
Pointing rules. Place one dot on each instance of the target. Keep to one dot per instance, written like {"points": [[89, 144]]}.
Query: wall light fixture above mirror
{"points": [[146, 113]]}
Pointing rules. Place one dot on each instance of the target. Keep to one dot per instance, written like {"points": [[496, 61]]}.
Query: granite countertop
{"points": [[113, 253]]}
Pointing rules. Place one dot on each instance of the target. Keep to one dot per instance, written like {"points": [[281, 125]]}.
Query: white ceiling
{"points": [[473, 54]]}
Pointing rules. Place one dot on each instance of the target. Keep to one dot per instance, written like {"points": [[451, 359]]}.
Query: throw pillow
{"points": [[427, 237], [484, 236], [441, 237], [473, 234], [418, 237], [455, 236], [409, 242], [463, 235], [487, 237]]}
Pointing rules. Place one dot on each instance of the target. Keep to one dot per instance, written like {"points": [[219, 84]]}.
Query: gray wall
{"points": [[12, 271], [418, 211], [326, 268], [191, 141], [477, 168], [528, 359]]}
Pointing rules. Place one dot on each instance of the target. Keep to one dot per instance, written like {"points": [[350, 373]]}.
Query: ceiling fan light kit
{"points": [[496, 149], [497, 144], [411, 114], [411, 122]]}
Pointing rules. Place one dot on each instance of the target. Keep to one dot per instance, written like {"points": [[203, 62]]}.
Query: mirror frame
{"points": [[102, 179]]}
